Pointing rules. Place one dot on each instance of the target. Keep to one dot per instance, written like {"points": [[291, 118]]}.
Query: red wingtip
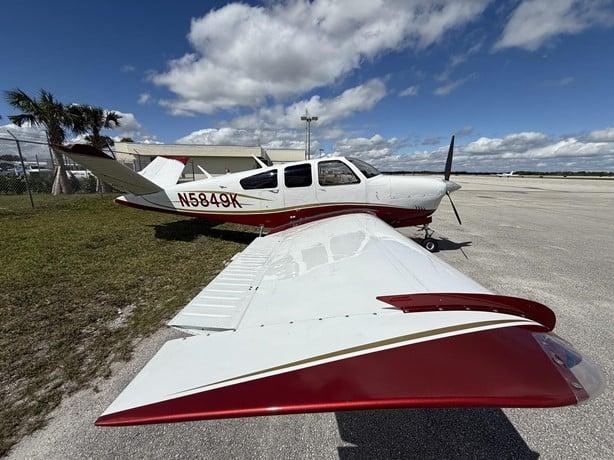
{"points": [[183, 160], [473, 301]]}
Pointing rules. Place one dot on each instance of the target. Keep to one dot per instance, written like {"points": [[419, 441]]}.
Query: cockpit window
{"points": [[298, 175], [335, 172], [266, 179], [365, 168]]}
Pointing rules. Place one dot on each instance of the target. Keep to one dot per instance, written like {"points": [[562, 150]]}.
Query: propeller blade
{"points": [[448, 170], [454, 208]]}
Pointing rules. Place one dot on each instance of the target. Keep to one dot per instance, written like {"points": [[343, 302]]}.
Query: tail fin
{"points": [[159, 174], [164, 171]]}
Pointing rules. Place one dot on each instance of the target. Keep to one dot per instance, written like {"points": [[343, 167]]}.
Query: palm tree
{"points": [[93, 120], [48, 112]]}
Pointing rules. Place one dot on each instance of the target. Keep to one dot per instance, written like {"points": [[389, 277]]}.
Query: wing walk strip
{"points": [[222, 304], [361, 348]]}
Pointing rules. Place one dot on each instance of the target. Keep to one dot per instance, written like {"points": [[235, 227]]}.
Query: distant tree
{"points": [[48, 112], [126, 139], [9, 157]]}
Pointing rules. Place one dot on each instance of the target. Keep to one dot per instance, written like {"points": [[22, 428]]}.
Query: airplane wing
{"points": [[346, 313]]}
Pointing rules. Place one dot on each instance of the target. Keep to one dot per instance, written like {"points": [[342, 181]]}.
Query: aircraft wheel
{"points": [[430, 245]]}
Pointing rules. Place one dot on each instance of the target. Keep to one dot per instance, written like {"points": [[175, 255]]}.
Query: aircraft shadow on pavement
{"points": [[190, 229], [430, 433], [446, 244]]}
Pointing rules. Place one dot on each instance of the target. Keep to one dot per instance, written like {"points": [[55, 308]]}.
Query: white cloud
{"points": [[524, 150], [464, 131], [221, 136], [372, 149], [516, 142], [127, 68], [459, 59], [246, 54], [144, 98], [271, 138], [446, 89], [602, 135], [280, 126], [359, 98], [128, 125], [25, 133], [410, 91], [534, 22]]}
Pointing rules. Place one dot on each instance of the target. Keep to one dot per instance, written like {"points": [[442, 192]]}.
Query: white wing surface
{"points": [[346, 313], [321, 269]]}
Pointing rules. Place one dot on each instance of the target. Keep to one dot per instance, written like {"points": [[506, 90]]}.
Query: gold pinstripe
{"points": [[368, 346], [289, 208]]}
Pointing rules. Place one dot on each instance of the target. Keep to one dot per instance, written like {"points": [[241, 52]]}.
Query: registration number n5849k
{"points": [[206, 199]]}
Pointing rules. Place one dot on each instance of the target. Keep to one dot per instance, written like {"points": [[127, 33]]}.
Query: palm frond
{"points": [[18, 99], [112, 120], [24, 118]]}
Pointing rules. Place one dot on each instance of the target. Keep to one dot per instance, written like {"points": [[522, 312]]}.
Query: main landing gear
{"points": [[429, 243]]}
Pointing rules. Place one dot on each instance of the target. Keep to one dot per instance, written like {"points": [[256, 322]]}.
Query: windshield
{"points": [[365, 168]]}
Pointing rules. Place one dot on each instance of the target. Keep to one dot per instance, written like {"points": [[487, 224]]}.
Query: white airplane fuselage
{"points": [[291, 193]]}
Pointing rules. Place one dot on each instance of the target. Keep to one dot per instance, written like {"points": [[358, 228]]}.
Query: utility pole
{"points": [[308, 119]]}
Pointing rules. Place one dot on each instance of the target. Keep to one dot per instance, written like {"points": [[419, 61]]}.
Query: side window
{"points": [[335, 172], [263, 180], [298, 176]]}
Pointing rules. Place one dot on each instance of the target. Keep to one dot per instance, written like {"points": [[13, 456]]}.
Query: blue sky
{"points": [[524, 84]]}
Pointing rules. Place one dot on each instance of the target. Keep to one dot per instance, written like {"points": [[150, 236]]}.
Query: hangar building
{"points": [[215, 159]]}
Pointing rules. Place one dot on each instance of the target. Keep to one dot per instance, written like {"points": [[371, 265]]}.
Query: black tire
{"points": [[430, 245]]}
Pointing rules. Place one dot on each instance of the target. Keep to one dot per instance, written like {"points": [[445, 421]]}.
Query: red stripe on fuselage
{"points": [[503, 367], [395, 216]]}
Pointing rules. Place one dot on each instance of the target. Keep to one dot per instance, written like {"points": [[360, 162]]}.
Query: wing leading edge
{"points": [[307, 333]]}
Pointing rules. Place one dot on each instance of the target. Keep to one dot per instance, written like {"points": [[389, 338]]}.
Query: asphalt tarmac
{"points": [[551, 240]]}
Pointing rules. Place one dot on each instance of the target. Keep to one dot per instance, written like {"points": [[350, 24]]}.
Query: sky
{"points": [[524, 85]]}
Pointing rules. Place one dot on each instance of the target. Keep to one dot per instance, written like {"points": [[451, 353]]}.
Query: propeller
{"points": [[448, 170], [451, 185], [454, 208]]}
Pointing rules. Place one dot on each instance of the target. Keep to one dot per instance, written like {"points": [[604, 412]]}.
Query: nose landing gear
{"points": [[429, 243]]}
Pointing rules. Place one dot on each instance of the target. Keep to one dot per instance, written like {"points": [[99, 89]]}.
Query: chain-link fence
{"points": [[27, 170]]}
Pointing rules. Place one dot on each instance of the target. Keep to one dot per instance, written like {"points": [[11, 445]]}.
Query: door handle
{"points": [[321, 189], [273, 191]]}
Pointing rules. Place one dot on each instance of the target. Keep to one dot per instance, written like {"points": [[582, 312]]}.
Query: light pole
{"points": [[308, 119]]}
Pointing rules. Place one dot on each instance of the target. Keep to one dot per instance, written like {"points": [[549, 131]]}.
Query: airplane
{"points": [[278, 196], [509, 174], [337, 311]]}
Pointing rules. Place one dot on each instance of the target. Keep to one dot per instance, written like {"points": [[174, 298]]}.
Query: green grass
{"points": [[81, 278]]}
